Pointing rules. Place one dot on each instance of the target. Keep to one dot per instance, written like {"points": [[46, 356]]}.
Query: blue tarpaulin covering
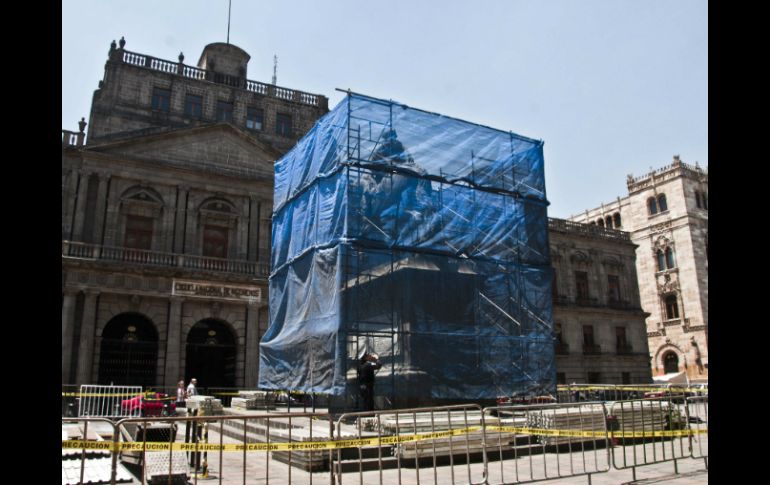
{"points": [[417, 236]]}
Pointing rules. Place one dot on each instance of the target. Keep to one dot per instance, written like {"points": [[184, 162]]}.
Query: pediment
{"points": [[219, 148]]}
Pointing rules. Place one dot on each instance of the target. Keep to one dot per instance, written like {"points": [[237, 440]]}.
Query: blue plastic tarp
{"points": [[417, 236]]}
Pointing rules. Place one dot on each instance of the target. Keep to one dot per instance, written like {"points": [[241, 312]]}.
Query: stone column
{"points": [[69, 188], [251, 364], [181, 210], [191, 245], [67, 332], [100, 212], [253, 223], [265, 223], [87, 328], [80, 208], [174, 341]]}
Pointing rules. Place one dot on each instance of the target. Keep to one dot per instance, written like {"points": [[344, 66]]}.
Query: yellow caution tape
{"points": [[356, 443], [293, 446]]}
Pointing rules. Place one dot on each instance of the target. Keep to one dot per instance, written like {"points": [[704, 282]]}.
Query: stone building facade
{"points": [[599, 325], [166, 219], [666, 212]]}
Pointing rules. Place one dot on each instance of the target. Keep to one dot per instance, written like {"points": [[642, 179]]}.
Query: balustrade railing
{"points": [[591, 349], [159, 259], [257, 87], [69, 138], [180, 69], [625, 350], [588, 229], [164, 66]]}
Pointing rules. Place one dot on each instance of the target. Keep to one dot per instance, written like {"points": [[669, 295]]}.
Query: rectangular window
{"points": [[138, 232], [594, 378], [253, 118], [620, 338], [283, 124], [554, 287], [581, 284], [613, 287], [215, 241], [193, 105], [561, 378], [161, 99], [672, 308], [224, 111], [588, 335]]}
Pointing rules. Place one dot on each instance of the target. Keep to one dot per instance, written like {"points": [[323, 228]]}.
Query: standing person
{"points": [[367, 367], [191, 389], [181, 394]]}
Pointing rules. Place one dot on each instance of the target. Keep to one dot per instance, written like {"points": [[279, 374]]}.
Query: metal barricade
{"points": [[441, 444], [70, 397], [108, 401], [88, 452], [649, 431], [233, 448], [697, 421], [542, 442]]}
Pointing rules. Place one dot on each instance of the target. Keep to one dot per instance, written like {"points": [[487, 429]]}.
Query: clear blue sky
{"points": [[612, 86]]}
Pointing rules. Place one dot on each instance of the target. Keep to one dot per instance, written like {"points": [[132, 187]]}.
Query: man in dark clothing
{"points": [[367, 367]]}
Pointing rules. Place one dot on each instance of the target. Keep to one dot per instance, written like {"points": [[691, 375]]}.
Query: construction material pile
{"points": [[646, 416], [205, 405], [254, 400], [589, 419]]}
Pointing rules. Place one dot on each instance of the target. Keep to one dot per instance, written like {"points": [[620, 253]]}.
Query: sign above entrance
{"points": [[204, 289]]}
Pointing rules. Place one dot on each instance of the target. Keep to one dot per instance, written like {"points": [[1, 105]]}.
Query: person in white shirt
{"points": [[191, 389]]}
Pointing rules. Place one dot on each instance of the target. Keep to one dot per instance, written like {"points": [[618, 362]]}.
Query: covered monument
{"points": [[417, 236]]}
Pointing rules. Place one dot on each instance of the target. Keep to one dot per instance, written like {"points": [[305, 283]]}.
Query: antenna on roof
{"points": [[275, 69], [229, 7]]}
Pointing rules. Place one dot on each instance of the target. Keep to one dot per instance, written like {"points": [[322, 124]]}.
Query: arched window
{"points": [[616, 217], [697, 200], [662, 203], [652, 205], [670, 363], [705, 201], [661, 261], [608, 221], [669, 258], [672, 308], [600, 222], [593, 223]]}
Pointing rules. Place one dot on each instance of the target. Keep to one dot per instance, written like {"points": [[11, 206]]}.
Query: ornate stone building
{"points": [[598, 321], [666, 212], [166, 218]]}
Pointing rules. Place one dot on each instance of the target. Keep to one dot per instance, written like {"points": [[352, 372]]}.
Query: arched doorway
{"points": [[129, 351], [670, 362], [211, 354]]}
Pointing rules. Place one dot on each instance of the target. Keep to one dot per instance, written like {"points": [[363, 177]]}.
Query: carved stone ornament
{"points": [[216, 308], [134, 302]]}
